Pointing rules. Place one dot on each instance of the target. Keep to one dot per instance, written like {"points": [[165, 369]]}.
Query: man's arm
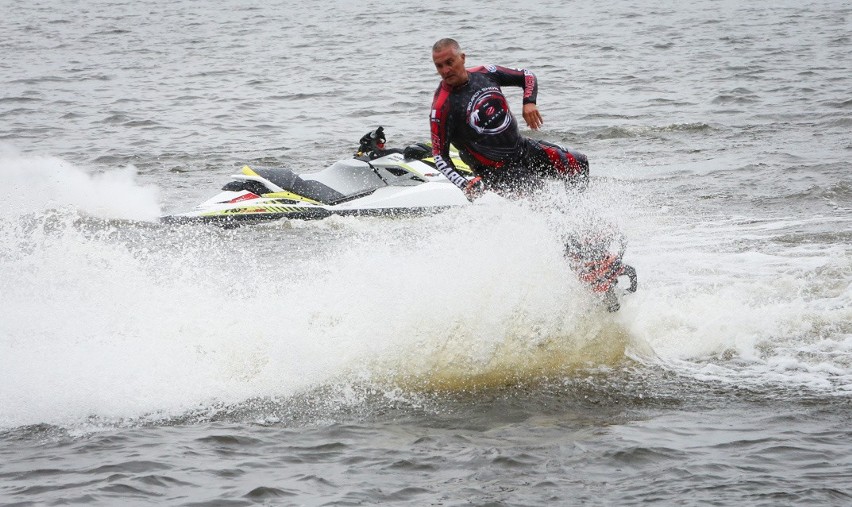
{"points": [[440, 139], [521, 78]]}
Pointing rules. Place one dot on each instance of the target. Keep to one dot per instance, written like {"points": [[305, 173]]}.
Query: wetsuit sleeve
{"points": [[438, 120], [522, 78]]}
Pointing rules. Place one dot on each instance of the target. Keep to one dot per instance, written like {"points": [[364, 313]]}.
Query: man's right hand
{"points": [[474, 189]]}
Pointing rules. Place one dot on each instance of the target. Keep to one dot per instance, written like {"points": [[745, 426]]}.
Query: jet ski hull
{"points": [[389, 185]]}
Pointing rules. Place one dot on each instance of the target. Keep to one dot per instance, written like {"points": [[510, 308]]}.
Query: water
{"points": [[445, 359]]}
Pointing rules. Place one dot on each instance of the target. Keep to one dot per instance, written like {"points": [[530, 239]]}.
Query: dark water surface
{"points": [[439, 360]]}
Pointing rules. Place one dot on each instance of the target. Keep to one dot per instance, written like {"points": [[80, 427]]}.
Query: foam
{"points": [[34, 184]]}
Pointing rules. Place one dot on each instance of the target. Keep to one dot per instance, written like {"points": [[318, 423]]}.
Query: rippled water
{"points": [[446, 359]]}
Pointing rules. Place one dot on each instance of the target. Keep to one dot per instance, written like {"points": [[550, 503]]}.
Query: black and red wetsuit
{"points": [[475, 117]]}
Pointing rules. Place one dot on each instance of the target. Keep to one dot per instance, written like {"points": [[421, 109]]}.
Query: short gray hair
{"points": [[446, 43]]}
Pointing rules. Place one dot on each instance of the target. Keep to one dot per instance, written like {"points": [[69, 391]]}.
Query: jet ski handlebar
{"points": [[372, 146]]}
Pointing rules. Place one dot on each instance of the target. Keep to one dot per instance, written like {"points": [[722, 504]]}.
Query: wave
{"points": [[632, 131]]}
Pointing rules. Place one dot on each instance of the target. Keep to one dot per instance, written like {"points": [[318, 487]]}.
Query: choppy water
{"points": [[445, 359]]}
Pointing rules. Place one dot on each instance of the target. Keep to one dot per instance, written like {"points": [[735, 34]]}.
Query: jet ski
{"points": [[376, 181]]}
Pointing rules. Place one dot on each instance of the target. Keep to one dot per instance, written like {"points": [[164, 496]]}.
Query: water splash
{"points": [[110, 319], [34, 184]]}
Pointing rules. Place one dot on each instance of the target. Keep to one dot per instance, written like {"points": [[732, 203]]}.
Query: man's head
{"points": [[449, 61]]}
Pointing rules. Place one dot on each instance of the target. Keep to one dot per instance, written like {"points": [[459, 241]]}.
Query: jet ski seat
{"points": [[292, 182]]}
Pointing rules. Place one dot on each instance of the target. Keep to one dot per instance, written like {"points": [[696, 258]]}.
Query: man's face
{"points": [[450, 65]]}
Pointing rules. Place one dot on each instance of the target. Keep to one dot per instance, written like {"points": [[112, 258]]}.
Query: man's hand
{"points": [[532, 116], [474, 189]]}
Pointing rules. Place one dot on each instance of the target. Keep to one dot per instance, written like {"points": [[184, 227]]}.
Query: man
{"points": [[470, 111]]}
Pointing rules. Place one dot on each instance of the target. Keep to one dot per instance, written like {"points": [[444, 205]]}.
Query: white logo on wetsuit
{"points": [[488, 112]]}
